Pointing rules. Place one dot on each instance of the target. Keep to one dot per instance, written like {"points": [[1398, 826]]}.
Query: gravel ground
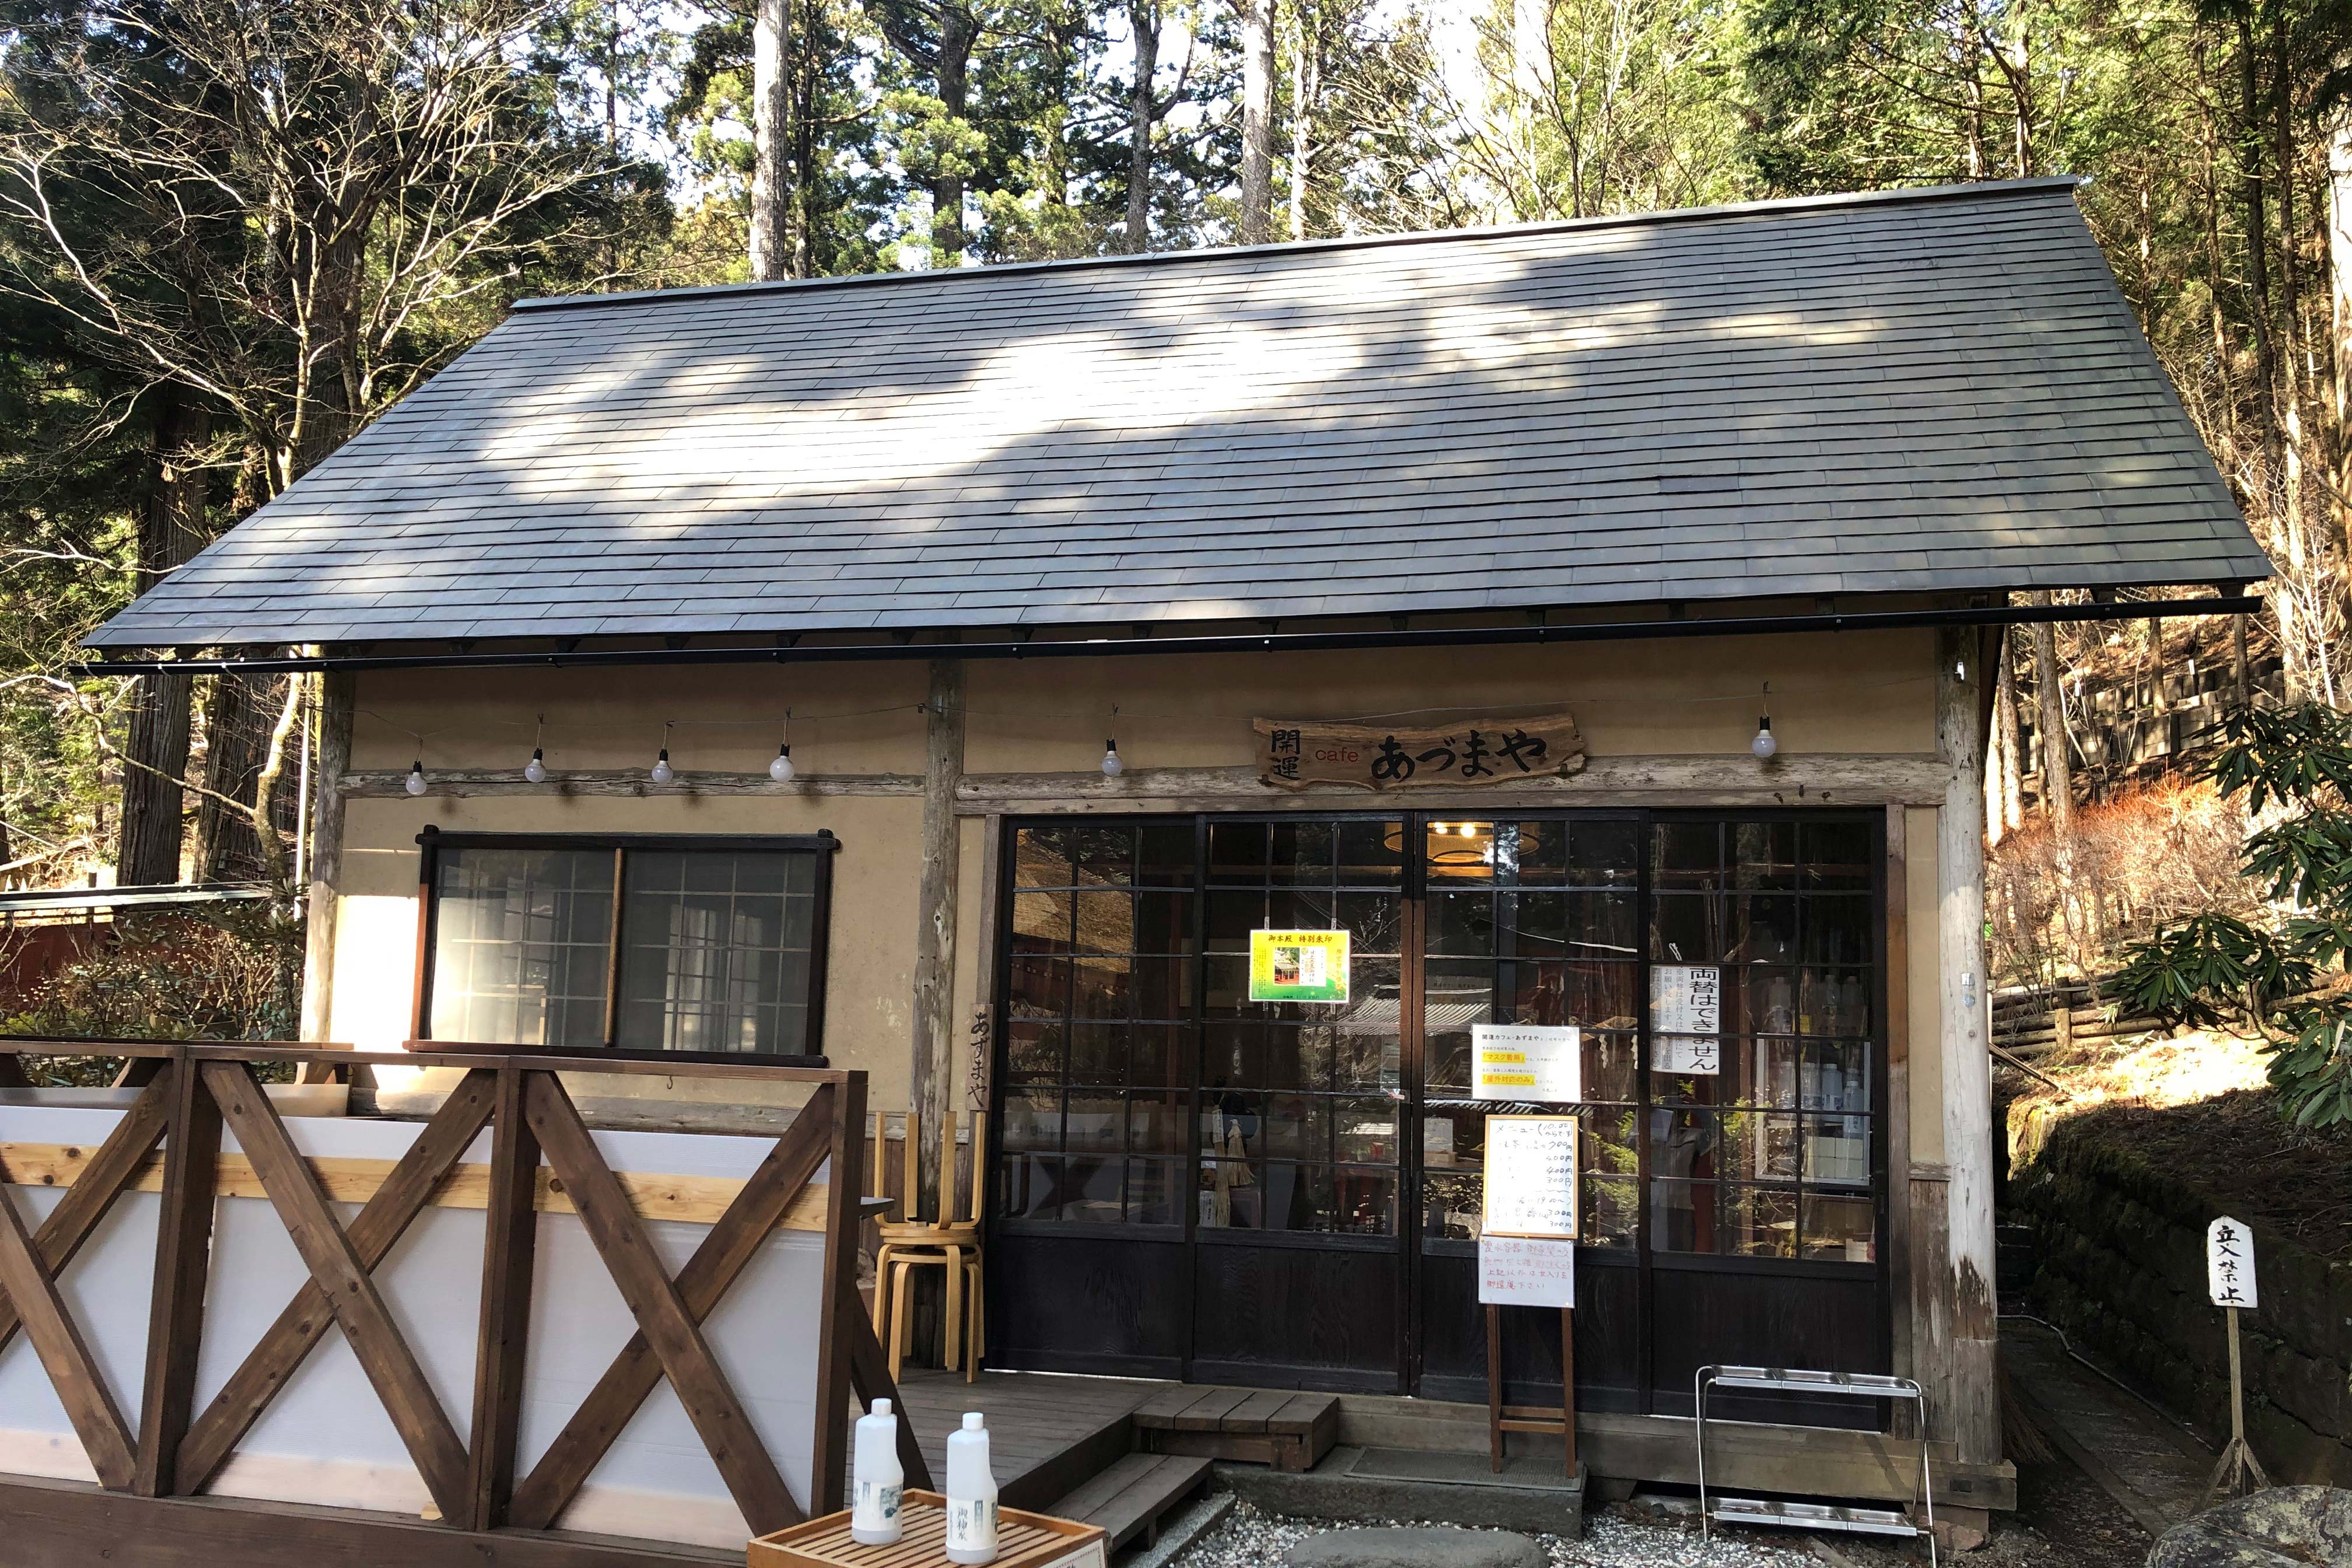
{"points": [[1249, 1538]]}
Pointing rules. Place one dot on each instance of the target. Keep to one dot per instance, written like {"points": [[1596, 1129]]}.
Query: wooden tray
{"points": [[1023, 1541]]}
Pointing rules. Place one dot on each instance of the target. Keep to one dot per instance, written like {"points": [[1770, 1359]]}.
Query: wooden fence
{"points": [[147, 1510], [2034, 1023]]}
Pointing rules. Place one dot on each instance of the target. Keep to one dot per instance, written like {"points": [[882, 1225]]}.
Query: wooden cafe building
{"points": [[945, 675]]}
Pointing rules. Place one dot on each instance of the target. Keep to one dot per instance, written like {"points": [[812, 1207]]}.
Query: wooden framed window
{"points": [[627, 943]]}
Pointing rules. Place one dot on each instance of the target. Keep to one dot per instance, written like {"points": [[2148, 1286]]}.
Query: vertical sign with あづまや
{"points": [[1299, 966], [1686, 1018]]}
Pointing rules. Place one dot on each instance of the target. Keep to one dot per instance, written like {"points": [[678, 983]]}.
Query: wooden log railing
{"points": [[192, 1091]]}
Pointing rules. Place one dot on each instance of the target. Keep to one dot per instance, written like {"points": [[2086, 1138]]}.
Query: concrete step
{"points": [[1130, 1498], [1529, 1494]]}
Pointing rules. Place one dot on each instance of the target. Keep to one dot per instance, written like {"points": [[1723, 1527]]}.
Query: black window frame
{"points": [[821, 846]]}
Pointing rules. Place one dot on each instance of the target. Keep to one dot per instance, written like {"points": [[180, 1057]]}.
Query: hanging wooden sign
{"points": [[1295, 753]]}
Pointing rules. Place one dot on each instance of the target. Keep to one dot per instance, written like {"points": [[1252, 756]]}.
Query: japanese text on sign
{"points": [[2230, 1264], [1686, 1018], [1294, 754], [1539, 1063], [1299, 966], [1524, 1271], [1530, 1186]]}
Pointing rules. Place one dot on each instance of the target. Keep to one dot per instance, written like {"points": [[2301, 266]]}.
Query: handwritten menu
{"points": [[1525, 1271], [1530, 1186], [1686, 1018], [1540, 1063]]}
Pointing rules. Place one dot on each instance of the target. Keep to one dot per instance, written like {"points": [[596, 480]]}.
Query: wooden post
{"points": [[184, 1242], [1897, 1146], [336, 690], [1502, 1417], [934, 1075], [839, 1316], [1970, 1317], [509, 1259], [2238, 1462]]}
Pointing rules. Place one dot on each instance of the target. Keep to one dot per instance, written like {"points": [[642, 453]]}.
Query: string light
{"points": [[781, 770], [416, 776], [1111, 766], [535, 770], [1764, 745], [662, 773]]}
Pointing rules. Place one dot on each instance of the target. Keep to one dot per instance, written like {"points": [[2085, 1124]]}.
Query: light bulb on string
{"points": [[1111, 766], [535, 770], [781, 769], [662, 773], [416, 784], [1764, 745]]}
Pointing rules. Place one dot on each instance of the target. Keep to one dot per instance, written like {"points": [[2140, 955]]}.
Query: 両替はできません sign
{"points": [[1299, 966], [1294, 754]]}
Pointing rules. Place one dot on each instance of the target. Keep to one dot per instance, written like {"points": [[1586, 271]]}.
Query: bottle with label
{"points": [[877, 1481], [971, 1494]]}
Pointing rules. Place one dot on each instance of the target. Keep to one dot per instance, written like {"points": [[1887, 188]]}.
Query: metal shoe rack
{"points": [[1808, 1515]]}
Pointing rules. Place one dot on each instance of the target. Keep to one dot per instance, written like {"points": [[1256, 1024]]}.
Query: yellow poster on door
{"points": [[1299, 966]]}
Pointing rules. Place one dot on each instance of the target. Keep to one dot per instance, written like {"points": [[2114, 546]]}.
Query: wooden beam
{"points": [[343, 1280], [844, 1129], [509, 1263], [481, 784], [541, 1500], [1898, 1150], [1974, 1395], [105, 1175], [64, 1354], [668, 1326], [394, 1205], [1730, 779], [933, 1073], [870, 1379], [337, 692], [175, 1313]]}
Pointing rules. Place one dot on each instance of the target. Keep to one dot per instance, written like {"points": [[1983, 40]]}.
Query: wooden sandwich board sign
{"points": [[1526, 1257], [2229, 1281]]}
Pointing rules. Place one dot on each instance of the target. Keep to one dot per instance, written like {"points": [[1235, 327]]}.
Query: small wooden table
{"points": [[1023, 1541]]}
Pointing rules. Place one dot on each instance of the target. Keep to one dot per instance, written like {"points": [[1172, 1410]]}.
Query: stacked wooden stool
{"points": [[947, 1242]]}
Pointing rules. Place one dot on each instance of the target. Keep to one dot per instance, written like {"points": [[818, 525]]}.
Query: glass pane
{"points": [[1095, 1125], [1032, 1119], [1302, 852], [1237, 852], [711, 958], [1104, 856], [1840, 1229], [1372, 854], [1041, 858], [1106, 923], [1611, 1211], [1837, 1151], [1034, 1050], [1090, 1189], [1098, 1051], [1364, 1130], [1155, 1123], [1153, 1190], [522, 946], [1031, 1185], [1724, 1221], [1040, 988], [1838, 928], [1297, 1127], [1164, 856], [1232, 1197], [1041, 922], [1836, 855], [1686, 856]]}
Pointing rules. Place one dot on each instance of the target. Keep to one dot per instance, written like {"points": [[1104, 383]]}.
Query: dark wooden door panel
{"points": [[1278, 1317], [1080, 1303], [1791, 1319], [1608, 1338]]}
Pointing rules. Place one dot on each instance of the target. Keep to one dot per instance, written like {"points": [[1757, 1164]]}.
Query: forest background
{"points": [[232, 232]]}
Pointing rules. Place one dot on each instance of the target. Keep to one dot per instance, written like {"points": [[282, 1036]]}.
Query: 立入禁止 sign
{"points": [[2230, 1264], [1539, 1063], [1299, 966], [1293, 754]]}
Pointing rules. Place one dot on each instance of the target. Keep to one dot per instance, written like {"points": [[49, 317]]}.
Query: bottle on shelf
{"points": [[877, 1481], [971, 1494]]}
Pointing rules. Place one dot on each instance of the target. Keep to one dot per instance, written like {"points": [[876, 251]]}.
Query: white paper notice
{"points": [[1523, 1271], [2230, 1264], [1686, 1018], [1540, 1063], [1530, 1185]]}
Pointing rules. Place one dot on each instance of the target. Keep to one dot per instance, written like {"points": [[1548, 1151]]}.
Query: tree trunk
{"points": [[1306, 97], [1257, 121], [2339, 273], [958, 34], [2050, 719], [1143, 19], [170, 530], [771, 127], [227, 847], [2007, 736]]}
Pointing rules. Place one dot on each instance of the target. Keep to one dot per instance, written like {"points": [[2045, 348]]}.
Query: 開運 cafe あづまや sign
{"points": [[1294, 754]]}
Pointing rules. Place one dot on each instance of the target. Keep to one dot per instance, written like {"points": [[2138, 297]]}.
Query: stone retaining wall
{"points": [[2120, 1261]]}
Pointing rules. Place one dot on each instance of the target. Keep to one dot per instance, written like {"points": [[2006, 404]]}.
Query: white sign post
{"points": [[1686, 1018], [2229, 1281], [1541, 1064], [1526, 1258]]}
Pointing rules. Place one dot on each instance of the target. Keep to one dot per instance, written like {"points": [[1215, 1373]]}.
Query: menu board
{"points": [[1530, 1185], [1525, 1272], [1686, 1018], [1540, 1063]]}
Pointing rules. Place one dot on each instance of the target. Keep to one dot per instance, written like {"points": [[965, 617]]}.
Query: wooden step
{"points": [[1254, 1425], [1134, 1495]]}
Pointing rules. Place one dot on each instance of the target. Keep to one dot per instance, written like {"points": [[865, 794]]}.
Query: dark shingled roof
{"points": [[1930, 390]]}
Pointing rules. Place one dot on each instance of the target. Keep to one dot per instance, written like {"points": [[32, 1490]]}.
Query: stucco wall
{"points": [[1860, 693]]}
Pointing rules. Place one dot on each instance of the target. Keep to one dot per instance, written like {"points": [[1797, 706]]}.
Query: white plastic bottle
{"points": [[971, 1494], [877, 1481]]}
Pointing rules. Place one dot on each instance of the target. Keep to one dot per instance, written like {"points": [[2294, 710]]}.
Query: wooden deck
{"points": [[1047, 1434]]}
